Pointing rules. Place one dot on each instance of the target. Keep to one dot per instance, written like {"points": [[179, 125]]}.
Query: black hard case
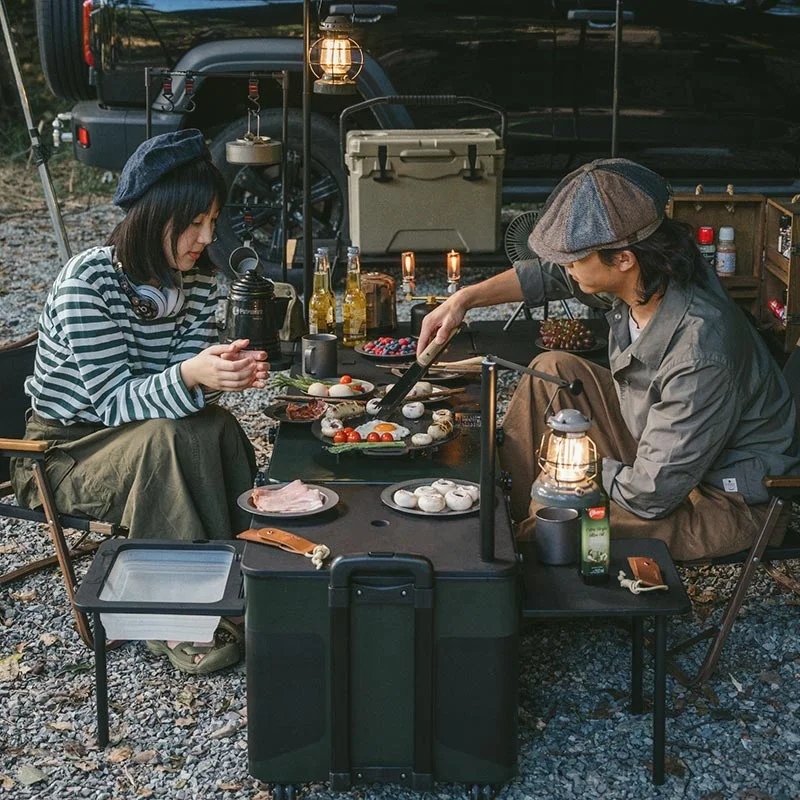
{"points": [[386, 667]]}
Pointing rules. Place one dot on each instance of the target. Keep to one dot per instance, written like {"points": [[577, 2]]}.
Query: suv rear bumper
{"points": [[114, 133]]}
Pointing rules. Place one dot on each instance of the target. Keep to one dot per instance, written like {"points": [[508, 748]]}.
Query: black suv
{"points": [[709, 90]]}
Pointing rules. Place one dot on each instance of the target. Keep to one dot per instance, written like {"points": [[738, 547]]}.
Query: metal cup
{"points": [[318, 358], [556, 535], [242, 259]]}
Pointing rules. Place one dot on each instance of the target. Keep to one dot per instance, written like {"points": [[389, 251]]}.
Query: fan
{"points": [[517, 249]]}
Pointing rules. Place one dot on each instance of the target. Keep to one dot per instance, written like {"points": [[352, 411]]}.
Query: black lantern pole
{"points": [[308, 247]]}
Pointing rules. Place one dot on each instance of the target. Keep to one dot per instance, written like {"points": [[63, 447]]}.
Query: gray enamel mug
{"points": [[318, 357], [556, 535]]}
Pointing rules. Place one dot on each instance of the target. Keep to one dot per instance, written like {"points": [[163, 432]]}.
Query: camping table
{"points": [[559, 592], [299, 454]]}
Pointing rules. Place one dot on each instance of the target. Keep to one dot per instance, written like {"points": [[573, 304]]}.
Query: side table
{"points": [[552, 592]]}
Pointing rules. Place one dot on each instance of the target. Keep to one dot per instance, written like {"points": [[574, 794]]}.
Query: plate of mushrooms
{"points": [[440, 497]]}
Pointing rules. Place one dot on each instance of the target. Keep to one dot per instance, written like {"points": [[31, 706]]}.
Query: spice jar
{"points": [[705, 244], [725, 261]]}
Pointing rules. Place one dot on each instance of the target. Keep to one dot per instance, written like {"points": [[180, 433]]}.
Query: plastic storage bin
{"points": [[424, 190]]}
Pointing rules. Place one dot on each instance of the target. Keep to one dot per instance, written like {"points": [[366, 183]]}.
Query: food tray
{"points": [[330, 499], [388, 493]]}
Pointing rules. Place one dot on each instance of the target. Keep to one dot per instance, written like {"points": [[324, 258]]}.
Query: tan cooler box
{"points": [[425, 190]]}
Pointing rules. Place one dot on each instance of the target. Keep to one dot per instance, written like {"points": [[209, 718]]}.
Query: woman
{"points": [[128, 370]]}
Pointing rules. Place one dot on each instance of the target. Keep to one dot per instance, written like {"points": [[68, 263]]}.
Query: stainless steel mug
{"points": [[556, 535], [318, 358]]}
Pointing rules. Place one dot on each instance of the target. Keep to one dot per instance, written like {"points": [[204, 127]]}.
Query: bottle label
{"points": [[725, 263], [709, 253], [595, 542]]}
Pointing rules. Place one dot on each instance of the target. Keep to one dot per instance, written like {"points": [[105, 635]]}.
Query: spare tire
{"points": [[59, 24]]}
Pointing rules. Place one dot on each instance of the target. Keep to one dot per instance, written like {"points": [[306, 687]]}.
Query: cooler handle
{"points": [[342, 572], [418, 100]]}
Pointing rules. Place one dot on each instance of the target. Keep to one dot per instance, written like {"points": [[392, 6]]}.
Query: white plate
{"points": [[388, 493], [245, 502]]}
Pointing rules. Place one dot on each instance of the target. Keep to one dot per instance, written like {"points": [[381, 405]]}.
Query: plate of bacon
{"points": [[287, 500], [297, 412]]}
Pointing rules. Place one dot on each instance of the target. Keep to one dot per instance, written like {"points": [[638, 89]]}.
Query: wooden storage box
{"points": [[762, 273]]}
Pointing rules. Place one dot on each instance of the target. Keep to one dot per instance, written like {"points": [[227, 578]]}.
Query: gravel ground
{"points": [[175, 736]]}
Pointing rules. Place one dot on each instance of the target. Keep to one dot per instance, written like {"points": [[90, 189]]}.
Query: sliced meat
{"points": [[293, 498], [309, 411]]}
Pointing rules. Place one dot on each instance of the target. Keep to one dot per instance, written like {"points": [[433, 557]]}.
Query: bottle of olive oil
{"points": [[354, 304], [322, 306], [595, 542]]}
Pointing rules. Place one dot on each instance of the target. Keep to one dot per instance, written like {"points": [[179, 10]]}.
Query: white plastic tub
{"points": [[172, 577]]}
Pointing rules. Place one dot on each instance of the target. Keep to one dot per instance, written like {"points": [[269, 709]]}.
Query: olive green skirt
{"points": [[161, 479]]}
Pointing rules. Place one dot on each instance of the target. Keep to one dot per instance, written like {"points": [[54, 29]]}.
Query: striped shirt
{"points": [[96, 361]]}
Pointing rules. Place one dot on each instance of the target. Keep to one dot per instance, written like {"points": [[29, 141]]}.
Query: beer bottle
{"points": [[354, 305], [322, 305]]}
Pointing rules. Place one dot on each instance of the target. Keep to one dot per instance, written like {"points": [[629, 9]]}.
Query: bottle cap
{"points": [[726, 234], [352, 250], [705, 235]]}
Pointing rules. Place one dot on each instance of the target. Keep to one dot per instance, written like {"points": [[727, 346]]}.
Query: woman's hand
{"points": [[226, 368], [441, 321]]}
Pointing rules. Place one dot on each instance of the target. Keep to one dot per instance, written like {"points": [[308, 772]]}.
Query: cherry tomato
{"points": [[357, 387], [387, 437], [348, 430], [345, 379], [373, 437], [354, 436], [339, 437]]}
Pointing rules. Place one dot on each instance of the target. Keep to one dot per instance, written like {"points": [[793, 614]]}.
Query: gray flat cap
{"points": [[606, 204], [154, 158]]}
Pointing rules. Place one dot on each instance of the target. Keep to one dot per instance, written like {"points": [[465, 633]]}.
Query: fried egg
{"points": [[381, 426]]}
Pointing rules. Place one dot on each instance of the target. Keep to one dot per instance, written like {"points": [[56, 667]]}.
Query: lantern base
{"points": [[581, 495], [259, 150], [325, 86]]}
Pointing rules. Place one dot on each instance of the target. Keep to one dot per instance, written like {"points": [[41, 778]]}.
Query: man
{"points": [[694, 411]]}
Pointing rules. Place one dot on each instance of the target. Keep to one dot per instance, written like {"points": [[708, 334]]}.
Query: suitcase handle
{"points": [[418, 775], [418, 100]]}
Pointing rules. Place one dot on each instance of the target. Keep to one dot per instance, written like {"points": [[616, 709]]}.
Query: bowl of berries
{"points": [[386, 348], [572, 335]]}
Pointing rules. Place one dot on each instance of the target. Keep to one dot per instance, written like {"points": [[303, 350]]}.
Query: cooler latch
{"points": [[472, 161], [383, 176]]}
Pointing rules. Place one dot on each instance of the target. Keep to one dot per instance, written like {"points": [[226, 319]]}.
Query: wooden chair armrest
{"points": [[24, 445], [782, 481]]}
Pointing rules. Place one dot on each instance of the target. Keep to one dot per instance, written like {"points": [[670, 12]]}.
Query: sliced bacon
{"points": [[313, 410], [293, 498]]}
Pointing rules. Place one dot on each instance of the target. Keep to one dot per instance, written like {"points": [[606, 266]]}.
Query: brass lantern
{"points": [[568, 463], [335, 58]]}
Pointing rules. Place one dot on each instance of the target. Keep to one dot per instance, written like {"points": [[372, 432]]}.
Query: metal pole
{"points": [[488, 455], [308, 255], [615, 98], [148, 119], [284, 169], [64, 251]]}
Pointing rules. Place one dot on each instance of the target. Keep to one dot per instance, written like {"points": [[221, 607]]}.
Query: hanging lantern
{"points": [[568, 463], [335, 58]]}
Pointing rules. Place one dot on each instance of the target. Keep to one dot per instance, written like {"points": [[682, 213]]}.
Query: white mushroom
{"points": [[431, 502], [440, 429], [405, 499], [474, 491], [413, 410], [421, 439], [421, 490], [330, 426], [459, 499], [373, 406], [443, 486], [442, 414]]}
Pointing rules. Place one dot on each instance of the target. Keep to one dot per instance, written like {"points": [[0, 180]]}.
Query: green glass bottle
{"points": [[595, 541]]}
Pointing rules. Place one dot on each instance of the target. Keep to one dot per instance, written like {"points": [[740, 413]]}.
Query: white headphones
{"points": [[149, 302]]}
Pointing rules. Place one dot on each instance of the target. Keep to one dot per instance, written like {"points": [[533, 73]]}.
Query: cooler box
{"points": [[425, 190]]}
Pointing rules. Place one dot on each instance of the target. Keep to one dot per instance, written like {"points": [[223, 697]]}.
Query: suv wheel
{"points": [[59, 24], [257, 189]]}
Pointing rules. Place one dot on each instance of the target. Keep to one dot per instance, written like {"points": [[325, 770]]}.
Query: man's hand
{"points": [[226, 368], [441, 321]]}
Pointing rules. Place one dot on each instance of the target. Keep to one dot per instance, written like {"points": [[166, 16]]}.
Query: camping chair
{"points": [[16, 362], [783, 490]]}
